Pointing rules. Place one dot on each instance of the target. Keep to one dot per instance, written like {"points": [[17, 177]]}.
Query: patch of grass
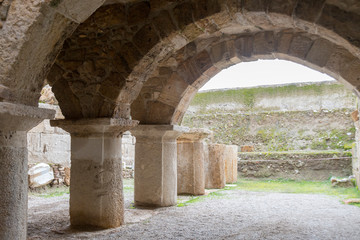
{"points": [[195, 199], [291, 186], [128, 185], [51, 192]]}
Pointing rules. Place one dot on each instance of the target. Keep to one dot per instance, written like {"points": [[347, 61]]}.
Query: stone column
{"points": [[190, 162], [155, 164], [356, 149], [231, 163], [215, 167], [15, 121], [96, 192]]}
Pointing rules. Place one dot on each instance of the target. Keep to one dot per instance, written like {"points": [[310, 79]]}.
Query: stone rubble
{"points": [[344, 182]]}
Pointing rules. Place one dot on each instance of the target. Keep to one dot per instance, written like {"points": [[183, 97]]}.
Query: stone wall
{"points": [[279, 118], [295, 165], [49, 144]]}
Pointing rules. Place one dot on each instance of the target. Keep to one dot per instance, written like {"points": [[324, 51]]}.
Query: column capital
{"points": [[18, 117], [194, 135], [112, 127]]}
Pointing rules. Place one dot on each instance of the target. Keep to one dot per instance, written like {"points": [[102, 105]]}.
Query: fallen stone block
{"points": [[344, 182], [40, 175]]}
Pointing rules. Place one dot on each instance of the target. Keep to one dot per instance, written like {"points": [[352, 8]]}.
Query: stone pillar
{"points": [[190, 162], [15, 121], [356, 154], [231, 163], [215, 167], [96, 192], [155, 164]]}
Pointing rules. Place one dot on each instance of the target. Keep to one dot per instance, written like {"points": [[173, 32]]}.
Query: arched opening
{"points": [[145, 60]]}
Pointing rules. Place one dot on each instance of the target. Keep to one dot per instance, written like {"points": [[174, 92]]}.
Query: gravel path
{"points": [[235, 215]]}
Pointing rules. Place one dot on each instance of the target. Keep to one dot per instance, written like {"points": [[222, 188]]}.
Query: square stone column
{"points": [[96, 192], [215, 167], [155, 164], [15, 121], [231, 163], [190, 162]]}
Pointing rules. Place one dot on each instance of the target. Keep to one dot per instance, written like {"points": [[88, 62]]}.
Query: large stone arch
{"points": [[167, 94], [31, 36], [103, 66]]}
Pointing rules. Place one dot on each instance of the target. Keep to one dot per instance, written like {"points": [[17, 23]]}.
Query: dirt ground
{"points": [[232, 215]]}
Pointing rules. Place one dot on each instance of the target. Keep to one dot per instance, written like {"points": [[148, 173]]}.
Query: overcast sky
{"points": [[264, 72]]}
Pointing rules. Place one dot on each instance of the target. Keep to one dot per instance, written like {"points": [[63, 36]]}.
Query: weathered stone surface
{"points": [[15, 120], [155, 164], [344, 182], [282, 6], [309, 10], [67, 176], [300, 46], [215, 167], [342, 22], [190, 162], [13, 181], [96, 196], [231, 160], [320, 52], [310, 166], [40, 175]]}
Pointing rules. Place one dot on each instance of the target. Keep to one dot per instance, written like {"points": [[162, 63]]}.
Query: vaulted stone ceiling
{"points": [[156, 54]]}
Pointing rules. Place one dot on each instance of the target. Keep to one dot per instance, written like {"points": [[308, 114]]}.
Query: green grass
{"points": [[51, 192], [282, 186], [290, 186], [195, 199], [128, 185]]}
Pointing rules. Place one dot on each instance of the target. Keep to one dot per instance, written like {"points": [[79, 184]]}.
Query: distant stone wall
{"points": [[49, 144], [279, 118], [319, 166]]}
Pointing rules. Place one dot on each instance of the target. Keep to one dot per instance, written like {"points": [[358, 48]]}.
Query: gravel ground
{"points": [[234, 215]]}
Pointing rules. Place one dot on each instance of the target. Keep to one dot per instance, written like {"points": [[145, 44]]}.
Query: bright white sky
{"points": [[264, 72]]}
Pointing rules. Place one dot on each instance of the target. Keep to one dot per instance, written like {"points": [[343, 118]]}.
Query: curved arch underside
{"points": [[151, 57]]}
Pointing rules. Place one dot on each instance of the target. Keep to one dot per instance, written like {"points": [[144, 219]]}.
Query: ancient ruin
{"points": [[116, 64]]}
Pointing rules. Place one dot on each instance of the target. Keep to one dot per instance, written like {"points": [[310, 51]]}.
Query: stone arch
{"points": [[133, 39], [31, 35], [167, 94]]}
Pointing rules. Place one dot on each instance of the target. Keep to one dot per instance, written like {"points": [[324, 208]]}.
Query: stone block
{"points": [[215, 167], [300, 46], [146, 38], [231, 161], [156, 164], [190, 162], [183, 14], [244, 46], [164, 24], [40, 175], [263, 43], [320, 52]]}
